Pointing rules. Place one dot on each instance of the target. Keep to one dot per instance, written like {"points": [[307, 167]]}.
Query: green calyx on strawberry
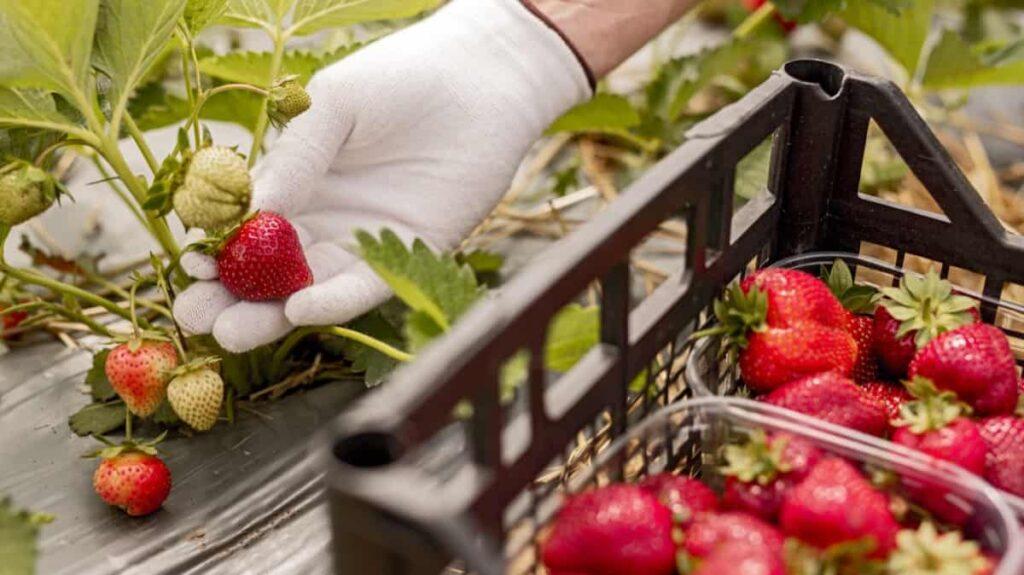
{"points": [[856, 298], [926, 551], [288, 100], [848, 558], [926, 307], [931, 409], [756, 460], [739, 313], [196, 392], [132, 477], [25, 192], [216, 190]]}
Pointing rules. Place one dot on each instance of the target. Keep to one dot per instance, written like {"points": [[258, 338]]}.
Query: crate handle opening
{"points": [[368, 450], [828, 77]]}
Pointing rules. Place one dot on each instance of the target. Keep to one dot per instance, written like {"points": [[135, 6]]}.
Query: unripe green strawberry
{"points": [[216, 191], [25, 192], [196, 396], [288, 99]]}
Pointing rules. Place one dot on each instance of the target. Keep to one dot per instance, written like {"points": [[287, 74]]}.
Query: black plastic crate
{"points": [[412, 488]]}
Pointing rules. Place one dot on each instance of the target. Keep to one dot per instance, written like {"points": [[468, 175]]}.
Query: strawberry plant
{"points": [[87, 81]]}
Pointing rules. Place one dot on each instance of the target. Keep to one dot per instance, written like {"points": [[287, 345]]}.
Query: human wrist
{"points": [[604, 33]]}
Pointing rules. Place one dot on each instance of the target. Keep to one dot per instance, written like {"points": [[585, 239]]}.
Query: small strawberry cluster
{"points": [[913, 363], [786, 507]]}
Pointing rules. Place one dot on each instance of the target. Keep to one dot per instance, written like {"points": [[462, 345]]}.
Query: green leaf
{"points": [[46, 44], [433, 284], [953, 64], [254, 67], [164, 414], [605, 113], [97, 418], [315, 15], [34, 109], [19, 531], [814, 10], [27, 143], [130, 36], [572, 333], [96, 379], [753, 170], [903, 33], [680, 79], [421, 329], [256, 13], [201, 13], [373, 364], [242, 108]]}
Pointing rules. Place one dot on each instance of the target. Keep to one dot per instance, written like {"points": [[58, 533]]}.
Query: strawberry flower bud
{"points": [[25, 192], [288, 99], [216, 191]]}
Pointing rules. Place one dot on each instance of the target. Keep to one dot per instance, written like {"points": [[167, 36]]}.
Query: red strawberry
{"points": [[860, 302], [976, 363], [836, 504], [796, 297], [11, 321], [866, 368], [778, 356], [892, 396], [933, 424], [136, 482], [753, 5], [614, 530], [139, 371], [742, 559], [684, 496], [760, 471], [915, 313], [263, 260], [710, 531], [834, 398], [787, 324], [1004, 461]]}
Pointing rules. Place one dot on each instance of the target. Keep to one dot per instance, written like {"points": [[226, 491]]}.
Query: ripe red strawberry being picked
{"points": [[836, 504], [684, 496], [860, 301], [833, 398], [912, 315], [1004, 461], [759, 472], [786, 324], [135, 481], [614, 530], [263, 260], [139, 371], [976, 363]]}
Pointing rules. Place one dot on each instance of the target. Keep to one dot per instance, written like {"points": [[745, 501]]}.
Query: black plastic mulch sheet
{"points": [[246, 499]]}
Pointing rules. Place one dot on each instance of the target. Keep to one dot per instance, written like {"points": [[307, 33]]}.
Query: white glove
{"points": [[420, 132]]}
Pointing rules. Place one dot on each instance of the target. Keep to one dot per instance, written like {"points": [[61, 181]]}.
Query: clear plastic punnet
{"points": [[688, 438]]}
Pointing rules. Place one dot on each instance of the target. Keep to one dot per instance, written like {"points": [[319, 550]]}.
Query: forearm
{"points": [[606, 32]]}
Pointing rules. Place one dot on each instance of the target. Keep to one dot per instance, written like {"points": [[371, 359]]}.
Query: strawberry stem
{"points": [[298, 335], [127, 424], [754, 21]]}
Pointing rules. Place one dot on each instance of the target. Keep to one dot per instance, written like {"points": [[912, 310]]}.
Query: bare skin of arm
{"points": [[604, 33]]}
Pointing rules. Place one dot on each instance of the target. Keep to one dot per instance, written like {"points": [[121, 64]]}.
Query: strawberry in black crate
{"points": [[926, 371]]}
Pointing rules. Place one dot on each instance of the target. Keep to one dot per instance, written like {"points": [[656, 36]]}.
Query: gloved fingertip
{"points": [[196, 309], [199, 266]]}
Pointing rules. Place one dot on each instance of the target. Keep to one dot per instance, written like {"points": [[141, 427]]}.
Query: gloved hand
{"points": [[420, 132]]}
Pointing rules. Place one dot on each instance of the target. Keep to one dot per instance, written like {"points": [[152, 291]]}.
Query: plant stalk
{"points": [[262, 120]]}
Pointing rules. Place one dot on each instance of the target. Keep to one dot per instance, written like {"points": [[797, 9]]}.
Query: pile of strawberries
{"points": [[786, 507], [913, 363]]}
